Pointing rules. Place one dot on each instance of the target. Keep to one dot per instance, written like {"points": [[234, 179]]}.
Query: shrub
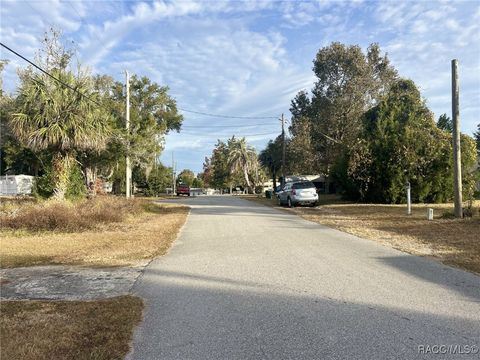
{"points": [[54, 215], [44, 185], [448, 215], [76, 184]]}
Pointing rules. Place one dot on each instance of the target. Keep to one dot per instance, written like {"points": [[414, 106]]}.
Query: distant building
{"points": [[13, 185]]}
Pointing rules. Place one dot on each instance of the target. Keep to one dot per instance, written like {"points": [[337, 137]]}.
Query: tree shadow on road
{"points": [[190, 317]]}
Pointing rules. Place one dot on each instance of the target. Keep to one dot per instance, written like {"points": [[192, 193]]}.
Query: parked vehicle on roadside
{"points": [[183, 190], [298, 193]]}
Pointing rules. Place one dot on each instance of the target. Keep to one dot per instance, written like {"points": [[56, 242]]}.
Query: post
{"points": [[457, 158], [283, 151], [409, 199], [173, 175], [128, 174]]}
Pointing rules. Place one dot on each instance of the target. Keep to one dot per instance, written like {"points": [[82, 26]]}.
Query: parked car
{"points": [[298, 193], [183, 190]]}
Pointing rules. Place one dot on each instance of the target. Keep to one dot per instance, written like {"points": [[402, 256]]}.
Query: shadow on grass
{"points": [[12, 261], [456, 241], [449, 278]]}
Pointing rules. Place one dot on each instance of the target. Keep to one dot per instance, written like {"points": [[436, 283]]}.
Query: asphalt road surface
{"points": [[244, 281]]}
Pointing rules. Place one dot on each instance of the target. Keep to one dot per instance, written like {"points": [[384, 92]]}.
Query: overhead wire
{"points": [[224, 135], [226, 126], [227, 116], [179, 108], [50, 75], [182, 109]]}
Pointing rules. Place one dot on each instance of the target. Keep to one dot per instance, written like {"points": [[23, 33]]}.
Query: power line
{"points": [[227, 116], [50, 75], [223, 135], [192, 111], [225, 126], [186, 110]]}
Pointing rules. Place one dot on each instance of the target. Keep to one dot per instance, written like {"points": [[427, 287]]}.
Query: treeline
{"points": [[70, 131], [370, 132], [233, 163]]}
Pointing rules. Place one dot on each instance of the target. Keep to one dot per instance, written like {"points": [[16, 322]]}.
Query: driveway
{"points": [[244, 281]]}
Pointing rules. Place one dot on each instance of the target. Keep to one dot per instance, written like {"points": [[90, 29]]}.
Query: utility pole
{"points": [[409, 199], [283, 151], [457, 158], [174, 185], [127, 126]]}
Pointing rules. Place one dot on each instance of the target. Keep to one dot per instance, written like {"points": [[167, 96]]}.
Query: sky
{"points": [[250, 58]]}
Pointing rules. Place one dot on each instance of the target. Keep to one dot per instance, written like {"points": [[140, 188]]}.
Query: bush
{"points": [[44, 185], [448, 215], [66, 216], [76, 184]]}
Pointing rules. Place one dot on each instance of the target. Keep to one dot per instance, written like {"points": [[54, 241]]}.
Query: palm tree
{"points": [[50, 116], [242, 158]]}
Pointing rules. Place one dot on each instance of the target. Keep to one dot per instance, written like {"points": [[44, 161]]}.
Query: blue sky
{"points": [[250, 58]]}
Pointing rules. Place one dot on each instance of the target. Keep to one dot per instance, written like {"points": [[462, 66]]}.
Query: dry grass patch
{"points": [[139, 236], [54, 215], [453, 241], [101, 330]]}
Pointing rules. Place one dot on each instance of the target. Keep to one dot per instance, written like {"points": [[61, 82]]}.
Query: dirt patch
{"points": [[452, 241], [103, 329]]}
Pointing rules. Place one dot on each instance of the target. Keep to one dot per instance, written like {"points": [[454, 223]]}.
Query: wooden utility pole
{"points": [[409, 199], [457, 158], [174, 180], [283, 151], [128, 186]]}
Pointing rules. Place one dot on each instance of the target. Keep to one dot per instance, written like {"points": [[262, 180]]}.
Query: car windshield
{"points": [[304, 185]]}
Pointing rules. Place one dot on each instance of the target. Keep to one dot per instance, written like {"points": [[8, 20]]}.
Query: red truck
{"points": [[183, 190]]}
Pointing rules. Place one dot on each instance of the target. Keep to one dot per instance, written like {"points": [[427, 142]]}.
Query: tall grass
{"points": [[66, 216]]}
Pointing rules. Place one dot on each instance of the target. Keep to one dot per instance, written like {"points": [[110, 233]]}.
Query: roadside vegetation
{"points": [[64, 216], [449, 240], [69, 330], [105, 231], [369, 132]]}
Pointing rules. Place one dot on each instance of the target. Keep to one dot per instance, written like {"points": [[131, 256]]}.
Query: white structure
{"points": [[16, 185]]}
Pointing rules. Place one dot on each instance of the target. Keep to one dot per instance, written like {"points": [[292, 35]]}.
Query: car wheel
{"points": [[314, 204]]}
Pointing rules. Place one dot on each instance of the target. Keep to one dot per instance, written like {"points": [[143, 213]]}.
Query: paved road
{"points": [[245, 281]]}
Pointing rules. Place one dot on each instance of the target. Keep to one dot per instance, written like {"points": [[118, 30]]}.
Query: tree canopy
{"points": [[59, 131]]}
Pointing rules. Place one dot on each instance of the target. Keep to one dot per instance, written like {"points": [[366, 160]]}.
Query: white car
{"points": [[298, 193]]}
